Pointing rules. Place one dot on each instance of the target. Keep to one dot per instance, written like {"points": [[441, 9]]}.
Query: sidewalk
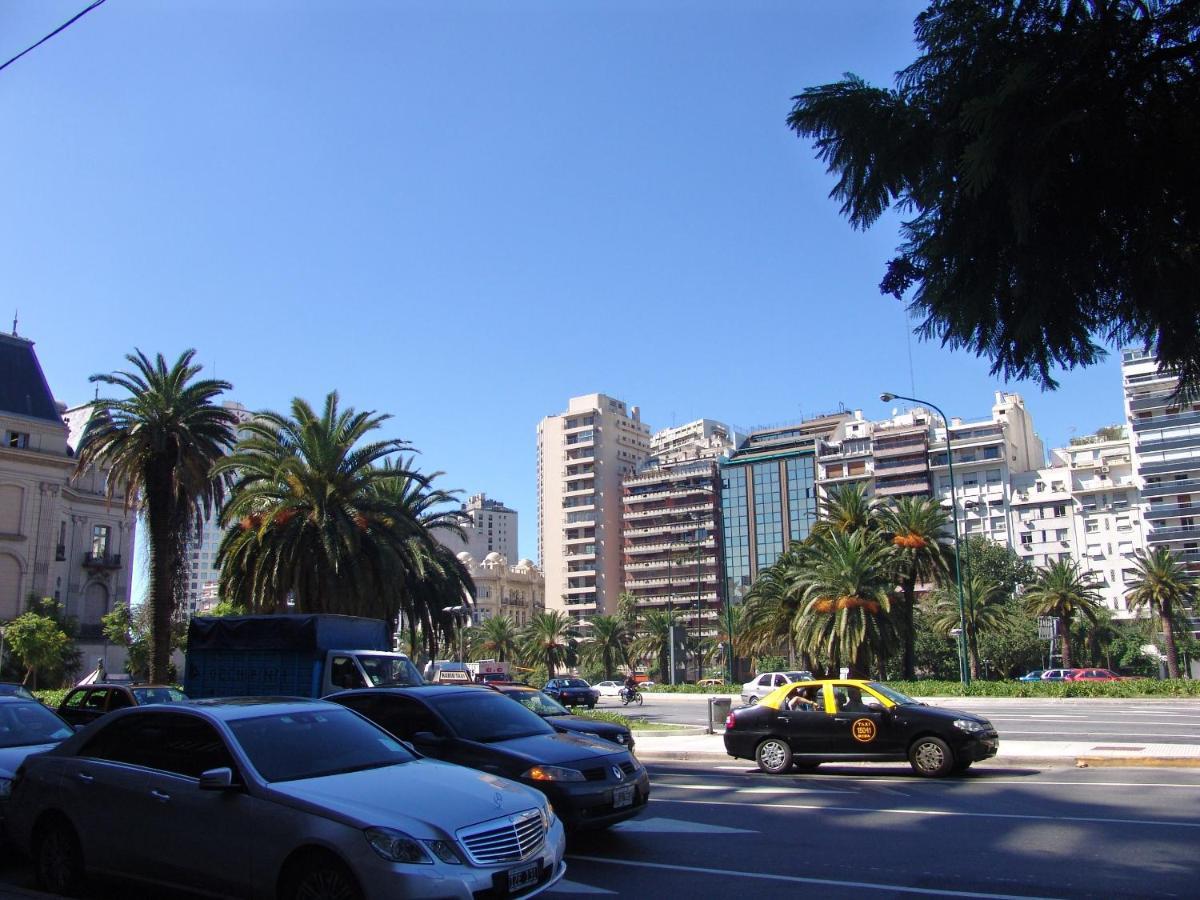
{"points": [[711, 748]]}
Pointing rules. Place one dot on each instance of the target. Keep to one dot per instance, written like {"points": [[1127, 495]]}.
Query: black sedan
{"points": [[590, 782], [560, 717], [810, 722], [572, 692]]}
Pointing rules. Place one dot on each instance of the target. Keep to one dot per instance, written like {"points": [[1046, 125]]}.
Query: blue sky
{"points": [[463, 213]]}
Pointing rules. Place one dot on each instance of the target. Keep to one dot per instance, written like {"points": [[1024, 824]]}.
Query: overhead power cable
{"points": [[61, 27]]}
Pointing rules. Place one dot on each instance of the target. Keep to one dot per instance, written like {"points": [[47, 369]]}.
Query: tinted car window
{"points": [[298, 745], [147, 696], [118, 700], [23, 724], [95, 699], [538, 703], [390, 670], [575, 682], [402, 716], [489, 717], [74, 699]]}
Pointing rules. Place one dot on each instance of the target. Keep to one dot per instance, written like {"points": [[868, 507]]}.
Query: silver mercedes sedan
{"points": [[266, 798]]}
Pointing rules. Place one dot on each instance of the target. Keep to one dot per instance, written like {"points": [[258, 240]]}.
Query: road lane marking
{"points": [[782, 789], [1158, 738], [916, 781], [800, 879], [659, 825], [939, 813]]}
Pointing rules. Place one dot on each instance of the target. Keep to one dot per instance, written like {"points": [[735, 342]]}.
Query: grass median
{"points": [[1137, 688]]}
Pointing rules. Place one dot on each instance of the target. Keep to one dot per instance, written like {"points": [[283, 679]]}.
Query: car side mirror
{"points": [[220, 779], [429, 739]]}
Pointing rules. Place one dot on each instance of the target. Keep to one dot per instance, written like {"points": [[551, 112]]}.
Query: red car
{"points": [[1094, 675]]}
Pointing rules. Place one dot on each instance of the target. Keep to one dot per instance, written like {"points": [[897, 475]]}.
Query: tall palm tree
{"points": [[306, 520], [1062, 591], [845, 587], [495, 638], [627, 611], [549, 638], [915, 527], [771, 605], [984, 607], [161, 443], [846, 507], [609, 643], [1164, 587], [654, 641]]}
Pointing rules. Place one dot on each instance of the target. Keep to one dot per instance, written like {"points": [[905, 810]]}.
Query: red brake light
{"points": [[729, 721]]}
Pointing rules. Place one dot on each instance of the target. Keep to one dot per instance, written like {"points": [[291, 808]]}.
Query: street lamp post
{"points": [[963, 672]]}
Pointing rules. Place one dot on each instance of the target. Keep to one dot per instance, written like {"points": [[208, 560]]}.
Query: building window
{"points": [[100, 538], [1093, 527], [18, 440]]}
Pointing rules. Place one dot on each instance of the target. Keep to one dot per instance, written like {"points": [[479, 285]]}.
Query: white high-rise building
{"points": [[583, 453], [489, 527]]}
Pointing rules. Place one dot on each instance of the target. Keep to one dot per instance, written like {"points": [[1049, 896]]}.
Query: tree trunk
{"points": [[1065, 637], [973, 651], [1164, 616], [909, 589], [164, 562]]}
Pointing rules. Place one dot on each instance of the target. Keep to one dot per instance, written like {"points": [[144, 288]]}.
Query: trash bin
{"points": [[718, 709]]}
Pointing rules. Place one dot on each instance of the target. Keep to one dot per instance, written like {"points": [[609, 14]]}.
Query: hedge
{"points": [[1141, 687]]}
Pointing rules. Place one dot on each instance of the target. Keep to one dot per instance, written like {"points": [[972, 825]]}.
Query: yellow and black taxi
{"points": [[806, 723]]}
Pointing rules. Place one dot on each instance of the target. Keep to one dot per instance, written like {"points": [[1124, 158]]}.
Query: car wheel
{"points": [[753, 700], [58, 859], [931, 757], [773, 756], [323, 878]]}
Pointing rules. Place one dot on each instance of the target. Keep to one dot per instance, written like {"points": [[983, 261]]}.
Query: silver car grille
{"points": [[509, 839]]}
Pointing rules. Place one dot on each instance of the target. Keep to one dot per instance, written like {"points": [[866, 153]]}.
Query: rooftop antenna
{"points": [[15, 314]]}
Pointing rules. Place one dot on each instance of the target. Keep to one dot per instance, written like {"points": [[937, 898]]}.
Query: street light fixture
{"points": [[963, 672]]}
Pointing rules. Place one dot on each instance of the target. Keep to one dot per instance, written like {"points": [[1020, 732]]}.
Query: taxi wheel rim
{"points": [[930, 757], [772, 754]]}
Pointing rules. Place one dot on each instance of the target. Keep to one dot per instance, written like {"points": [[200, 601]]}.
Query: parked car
{"points": [[1034, 675], [591, 782], [754, 690], [807, 723], [12, 689], [608, 688], [1058, 674], [1094, 675], [560, 718], [84, 705], [26, 727], [295, 798], [572, 692]]}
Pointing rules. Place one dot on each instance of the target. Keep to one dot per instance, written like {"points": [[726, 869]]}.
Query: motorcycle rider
{"points": [[631, 686]]}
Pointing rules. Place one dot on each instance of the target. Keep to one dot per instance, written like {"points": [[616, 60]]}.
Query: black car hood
{"points": [[554, 749], [936, 714], [588, 726]]}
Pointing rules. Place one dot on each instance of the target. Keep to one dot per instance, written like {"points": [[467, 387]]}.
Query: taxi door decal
{"points": [[863, 730]]}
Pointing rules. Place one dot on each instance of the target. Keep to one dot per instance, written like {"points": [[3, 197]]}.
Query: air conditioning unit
{"points": [[1104, 470]]}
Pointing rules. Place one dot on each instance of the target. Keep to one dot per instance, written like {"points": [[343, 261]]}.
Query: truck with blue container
{"points": [[290, 656]]}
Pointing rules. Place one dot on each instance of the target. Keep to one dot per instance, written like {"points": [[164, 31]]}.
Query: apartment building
{"points": [[769, 496], [583, 454], [517, 591], [1165, 444], [889, 457], [489, 527], [672, 547], [60, 535]]}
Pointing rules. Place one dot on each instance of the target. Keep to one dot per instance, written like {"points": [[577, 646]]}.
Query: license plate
{"points": [[524, 877], [623, 796]]}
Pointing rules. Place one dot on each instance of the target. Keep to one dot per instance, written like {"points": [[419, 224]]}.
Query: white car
{"points": [[608, 688], [291, 799], [759, 687]]}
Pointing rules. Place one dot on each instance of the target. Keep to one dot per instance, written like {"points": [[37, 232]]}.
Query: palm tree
{"points": [[308, 524], [984, 607], [549, 638], [1164, 587], [627, 611], [161, 443], [609, 642], [844, 586], [1062, 591], [771, 605], [914, 526], [654, 641], [496, 638], [846, 507]]}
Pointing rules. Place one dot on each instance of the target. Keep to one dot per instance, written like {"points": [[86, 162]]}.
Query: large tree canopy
{"points": [[1046, 151]]}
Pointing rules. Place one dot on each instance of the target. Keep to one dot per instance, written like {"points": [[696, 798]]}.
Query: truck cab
{"points": [[349, 669]]}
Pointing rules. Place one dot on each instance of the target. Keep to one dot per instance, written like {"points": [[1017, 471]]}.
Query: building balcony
{"points": [[903, 486], [1151, 442], [914, 467], [840, 451], [646, 497], [1153, 400], [845, 478], [1098, 484], [1163, 488], [1169, 466], [569, 475], [579, 490], [1191, 417], [102, 560], [581, 590], [1173, 533], [1170, 510], [908, 448]]}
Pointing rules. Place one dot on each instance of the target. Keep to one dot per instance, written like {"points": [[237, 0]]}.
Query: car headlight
{"points": [[553, 773], [548, 817], [446, 851], [5, 788], [396, 846], [970, 726]]}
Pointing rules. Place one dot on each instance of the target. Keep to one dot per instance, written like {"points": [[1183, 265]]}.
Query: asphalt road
{"points": [[854, 832], [1152, 721], [860, 831]]}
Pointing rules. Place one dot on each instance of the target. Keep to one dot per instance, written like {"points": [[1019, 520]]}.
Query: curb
{"points": [[1129, 762]]}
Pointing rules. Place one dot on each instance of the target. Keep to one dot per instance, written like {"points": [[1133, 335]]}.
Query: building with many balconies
{"points": [[517, 591], [583, 453]]}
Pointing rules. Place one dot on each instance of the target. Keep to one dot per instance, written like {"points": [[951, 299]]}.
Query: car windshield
{"points": [[390, 670], [29, 723], [312, 744], [799, 676], [895, 696], [539, 703], [7, 689], [150, 695], [488, 717], [575, 682]]}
